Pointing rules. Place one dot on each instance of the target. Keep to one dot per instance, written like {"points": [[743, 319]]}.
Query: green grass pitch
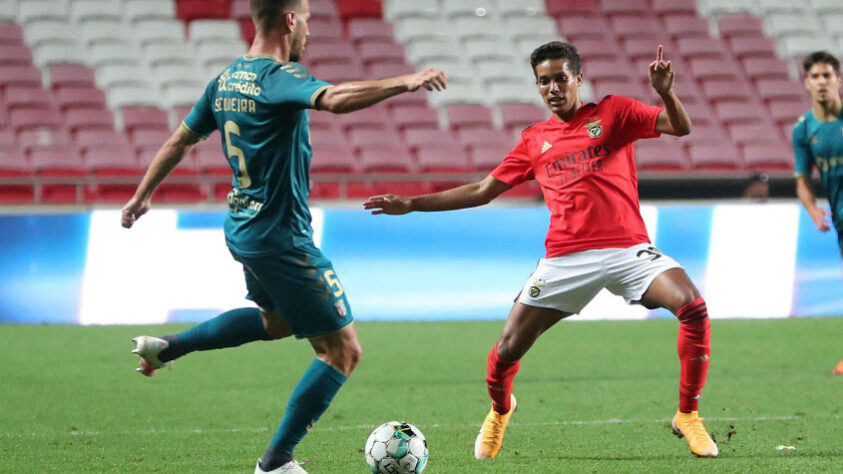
{"points": [[593, 397]]}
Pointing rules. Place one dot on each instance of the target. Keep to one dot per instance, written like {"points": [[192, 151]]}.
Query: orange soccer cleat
{"points": [[690, 426], [490, 438], [838, 370]]}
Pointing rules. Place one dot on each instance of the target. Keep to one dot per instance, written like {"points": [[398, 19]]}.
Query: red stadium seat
{"points": [[465, 116], [772, 90], [415, 116], [714, 157], [386, 159], [71, 75], [371, 53], [410, 188], [690, 48], [370, 30], [321, 120], [786, 112], [605, 48], [328, 136], [325, 31], [663, 154], [675, 7], [768, 157], [517, 117], [731, 26], [385, 70], [718, 90], [323, 9], [89, 119], [416, 137], [473, 138], [13, 165], [625, 7], [753, 47], [700, 113], [330, 53], [705, 135], [628, 88], [739, 113], [80, 98], [576, 29], [338, 73], [368, 138], [443, 159], [189, 10], [148, 140], [487, 156], [15, 55], [682, 26], [145, 118], [754, 134], [91, 139], [7, 140], [375, 117], [4, 116], [629, 27], [28, 119], [11, 33], [609, 70], [711, 68], [23, 76], [54, 163], [27, 97], [646, 49], [332, 158], [766, 68], [44, 139], [572, 8], [349, 9]]}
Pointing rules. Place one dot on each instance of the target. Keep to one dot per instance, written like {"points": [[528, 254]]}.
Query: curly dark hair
{"points": [[557, 50], [821, 57]]}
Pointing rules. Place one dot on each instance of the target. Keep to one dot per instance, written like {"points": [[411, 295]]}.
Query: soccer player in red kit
{"points": [[583, 159]]}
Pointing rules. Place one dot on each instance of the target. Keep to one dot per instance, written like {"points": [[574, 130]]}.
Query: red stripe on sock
{"points": [[499, 376], [694, 348]]}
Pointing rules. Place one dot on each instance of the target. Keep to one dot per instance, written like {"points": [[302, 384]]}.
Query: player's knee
{"points": [[345, 357], [509, 349]]}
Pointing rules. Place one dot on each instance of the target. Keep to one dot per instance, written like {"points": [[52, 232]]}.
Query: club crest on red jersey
{"points": [[594, 129]]}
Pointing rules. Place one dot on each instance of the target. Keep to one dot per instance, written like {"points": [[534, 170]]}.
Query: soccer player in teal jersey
{"points": [[258, 103], [818, 141]]}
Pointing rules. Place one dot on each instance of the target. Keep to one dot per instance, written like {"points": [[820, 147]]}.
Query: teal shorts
{"points": [[300, 283]]}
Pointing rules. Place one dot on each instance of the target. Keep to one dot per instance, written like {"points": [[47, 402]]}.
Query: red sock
{"points": [[499, 376], [694, 347]]}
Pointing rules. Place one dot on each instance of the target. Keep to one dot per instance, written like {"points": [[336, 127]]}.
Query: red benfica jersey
{"points": [[586, 170]]}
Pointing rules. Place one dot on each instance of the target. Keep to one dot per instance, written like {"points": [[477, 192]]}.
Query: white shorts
{"points": [[569, 282]]}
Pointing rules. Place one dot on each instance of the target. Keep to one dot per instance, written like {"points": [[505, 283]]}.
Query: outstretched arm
{"points": [[673, 120], [806, 196], [170, 155], [351, 96], [469, 195]]}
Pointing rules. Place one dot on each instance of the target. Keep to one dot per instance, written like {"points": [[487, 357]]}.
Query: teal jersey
{"points": [[259, 105], [820, 144]]}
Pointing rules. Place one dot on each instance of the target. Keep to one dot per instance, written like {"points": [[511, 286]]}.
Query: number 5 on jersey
{"points": [[243, 179]]}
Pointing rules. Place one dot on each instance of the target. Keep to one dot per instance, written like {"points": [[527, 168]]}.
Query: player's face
{"points": [[558, 86], [298, 40], [822, 82]]}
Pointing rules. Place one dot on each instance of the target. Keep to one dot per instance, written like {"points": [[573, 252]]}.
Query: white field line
{"points": [[199, 431]]}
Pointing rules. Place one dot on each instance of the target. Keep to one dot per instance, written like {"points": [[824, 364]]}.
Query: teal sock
{"points": [[229, 329], [309, 400]]}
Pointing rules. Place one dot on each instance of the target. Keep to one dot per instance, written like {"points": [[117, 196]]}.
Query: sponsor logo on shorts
{"points": [[342, 311], [651, 252], [535, 291]]}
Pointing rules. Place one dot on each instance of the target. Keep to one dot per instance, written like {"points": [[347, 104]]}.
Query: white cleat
{"points": [[291, 467], [147, 349]]}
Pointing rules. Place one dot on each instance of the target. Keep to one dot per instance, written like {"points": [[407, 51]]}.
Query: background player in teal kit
{"points": [[258, 103], [818, 141]]}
